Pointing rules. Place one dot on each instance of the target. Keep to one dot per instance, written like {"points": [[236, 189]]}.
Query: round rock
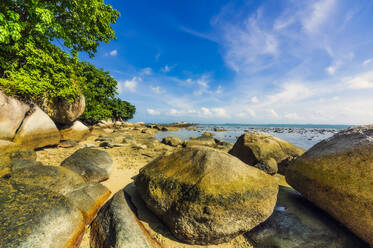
{"points": [[206, 196], [93, 165]]}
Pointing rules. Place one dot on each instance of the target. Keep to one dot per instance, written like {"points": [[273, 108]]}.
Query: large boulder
{"points": [[265, 151], [206, 196], [89, 199], [32, 216], [37, 130], [54, 178], [337, 175], [171, 141], [12, 113], [93, 165], [200, 141], [296, 223], [63, 111], [75, 132], [116, 226]]}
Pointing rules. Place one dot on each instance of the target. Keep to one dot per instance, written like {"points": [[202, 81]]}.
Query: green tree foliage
{"points": [[99, 90], [32, 65]]}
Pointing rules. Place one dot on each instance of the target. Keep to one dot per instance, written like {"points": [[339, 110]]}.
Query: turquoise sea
{"points": [[304, 136]]}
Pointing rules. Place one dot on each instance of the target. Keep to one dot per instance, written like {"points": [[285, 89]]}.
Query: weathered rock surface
{"points": [[297, 223], [206, 196], [11, 153], [265, 151], [76, 132], [63, 111], [12, 113], [89, 199], [171, 141], [337, 175], [116, 226], [93, 165], [37, 130], [31, 216], [54, 178], [200, 141]]}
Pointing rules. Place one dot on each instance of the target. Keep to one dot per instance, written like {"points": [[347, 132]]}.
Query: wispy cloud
{"points": [[130, 85]]}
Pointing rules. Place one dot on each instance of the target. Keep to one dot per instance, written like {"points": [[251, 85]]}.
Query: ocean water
{"points": [[304, 136]]}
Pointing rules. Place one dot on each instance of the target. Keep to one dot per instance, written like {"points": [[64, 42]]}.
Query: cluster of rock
{"points": [[28, 125], [49, 206]]}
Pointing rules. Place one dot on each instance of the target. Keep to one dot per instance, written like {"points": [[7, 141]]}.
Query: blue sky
{"points": [[270, 61]]}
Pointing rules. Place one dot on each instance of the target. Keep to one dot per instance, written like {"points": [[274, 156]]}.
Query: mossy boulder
{"points": [[200, 141], [116, 226], [296, 223], [32, 216], [337, 175], [265, 151], [93, 165], [37, 130], [208, 134], [54, 178], [11, 153], [206, 196], [171, 141]]}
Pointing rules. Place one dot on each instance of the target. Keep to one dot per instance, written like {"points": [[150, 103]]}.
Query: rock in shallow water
{"points": [[32, 216], [297, 223], [116, 226], [265, 151], [206, 196], [93, 165], [337, 175]]}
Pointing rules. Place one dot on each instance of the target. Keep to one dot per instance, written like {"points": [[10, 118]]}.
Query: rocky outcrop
{"points": [[32, 216], [264, 151], [208, 134], [296, 223], [12, 113], [200, 141], [89, 199], [206, 196], [116, 226], [172, 141], [63, 111], [93, 165], [337, 175], [76, 132], [37, 130]]}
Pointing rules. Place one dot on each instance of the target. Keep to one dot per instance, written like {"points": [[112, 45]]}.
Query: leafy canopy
{"points": [[30, 65], [99, 91]]}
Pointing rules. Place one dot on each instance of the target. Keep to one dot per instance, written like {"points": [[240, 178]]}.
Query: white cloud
{"points": [[166, 68], [273, 113], [219, 90], [113, 53], [131, 85], [291, 116], [320, 11], [153, 112], [362, 81], [331, 69], [254, 99], [248, 47], [205, 111], [157, 89], [147, 71], [367, 62], [220, 112], [291, 92]]}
